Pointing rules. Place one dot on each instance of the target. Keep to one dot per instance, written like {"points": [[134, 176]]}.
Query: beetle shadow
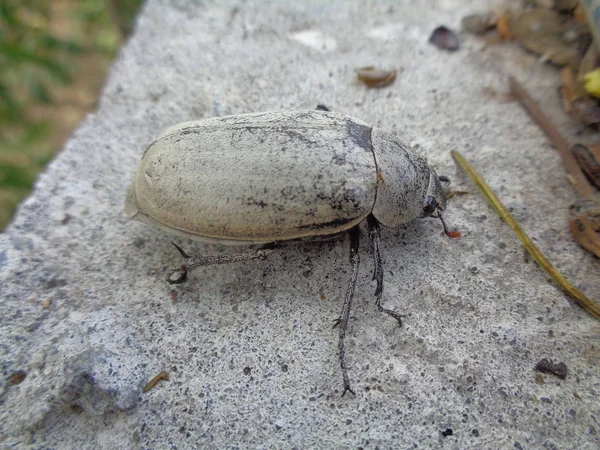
{"points": [[295, 274]]}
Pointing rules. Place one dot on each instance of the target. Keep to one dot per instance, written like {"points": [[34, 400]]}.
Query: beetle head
{"points": [[435, 200], [435, 203]]}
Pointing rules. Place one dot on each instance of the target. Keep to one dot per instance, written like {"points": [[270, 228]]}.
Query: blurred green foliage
{"points": [[40, 42]]}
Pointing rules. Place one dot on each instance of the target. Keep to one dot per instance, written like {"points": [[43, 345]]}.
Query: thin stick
{"points": [[589, 305], [574, 172], [161, 376]]}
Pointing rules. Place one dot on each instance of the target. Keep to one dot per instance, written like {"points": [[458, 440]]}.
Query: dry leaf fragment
{"points": [[579, 14], [161, 376], [571, 88], [374, 77], [565, 5], [547, 366], [541, 31], [586, 110], [477, 23], [588, 157], [503, 27], [582, 230], [444, 38], [46, 303], [17, 377]]}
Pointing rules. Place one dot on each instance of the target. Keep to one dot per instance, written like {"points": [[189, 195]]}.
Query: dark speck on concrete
{"points": [[17, 377], [547, 366], [55, 282]]}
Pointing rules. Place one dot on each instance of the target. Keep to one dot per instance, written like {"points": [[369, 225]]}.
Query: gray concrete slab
{"points": [[249, 348]]}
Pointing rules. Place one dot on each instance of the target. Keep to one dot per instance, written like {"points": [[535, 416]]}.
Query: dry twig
{"points": [[574, 172], [586, 303]]}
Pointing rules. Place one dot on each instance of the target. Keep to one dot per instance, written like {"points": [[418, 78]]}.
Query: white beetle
{"points": [[266, 178]]}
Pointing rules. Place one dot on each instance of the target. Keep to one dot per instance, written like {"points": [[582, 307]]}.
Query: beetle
{"points": [[269, 178]]}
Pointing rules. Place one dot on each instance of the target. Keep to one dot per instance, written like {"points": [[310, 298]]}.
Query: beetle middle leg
{"points": [[179, 275], [343, 320], [374, 235]]}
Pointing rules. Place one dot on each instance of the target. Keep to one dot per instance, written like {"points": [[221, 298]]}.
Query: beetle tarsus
{"points": [[390, 312], [181, 251], [178, 276], [378, 289], [450, 234], [347, 388], [345, 315], [374, 235]]}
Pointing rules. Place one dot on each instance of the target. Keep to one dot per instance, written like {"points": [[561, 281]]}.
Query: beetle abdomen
{"points": [[258, 177]]}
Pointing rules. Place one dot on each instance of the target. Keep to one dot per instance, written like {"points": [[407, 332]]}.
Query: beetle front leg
{"points": [[374, 235], [179, 275], [343, 320]]}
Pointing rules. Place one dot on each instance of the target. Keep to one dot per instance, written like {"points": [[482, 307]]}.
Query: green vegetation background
{"points": [[42, 46]]}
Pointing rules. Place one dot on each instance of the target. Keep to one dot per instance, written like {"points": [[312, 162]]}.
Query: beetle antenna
{"points": [[450, 234]]}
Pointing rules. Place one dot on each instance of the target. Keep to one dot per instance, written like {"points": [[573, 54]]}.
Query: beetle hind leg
{"points": [[179, 274], [374, 235]]}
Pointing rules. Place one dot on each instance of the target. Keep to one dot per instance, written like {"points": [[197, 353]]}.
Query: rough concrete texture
{"points": [[249, 348]]}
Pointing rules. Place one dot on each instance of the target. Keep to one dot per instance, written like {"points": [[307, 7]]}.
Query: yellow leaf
{"points": [[591, 82]]}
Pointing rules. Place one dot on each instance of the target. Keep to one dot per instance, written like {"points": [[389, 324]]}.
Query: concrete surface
{"points": [[249, 348]]}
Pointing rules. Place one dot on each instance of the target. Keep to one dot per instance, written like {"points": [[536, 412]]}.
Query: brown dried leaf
{"points": [[444, 38], [477, 23], [579, 15], [565, 5], [582, 230], [588, 157], [17, 377], [503, 26], [547, 366], [570, 88], [541, 31], [588, 63], [161, 376], [373, 77], [586, 110]]}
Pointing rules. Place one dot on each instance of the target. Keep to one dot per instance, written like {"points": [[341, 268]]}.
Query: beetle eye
{"points": [[430, 207]]}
